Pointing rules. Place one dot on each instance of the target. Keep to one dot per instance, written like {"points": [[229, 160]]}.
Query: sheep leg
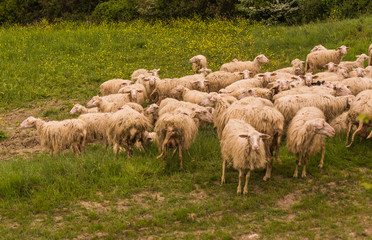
{"points": [[303, 175], [116, 149], [188, 153], [298, 163], [223, 172], [269, 166], [322, 158], [348, 132], [180, 155], [241, 178], [174, 152], [359, 128], [246, 182], [277, 146]]}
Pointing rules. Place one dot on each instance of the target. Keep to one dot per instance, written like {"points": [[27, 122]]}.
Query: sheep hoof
{"points": [[245, 192], [295, 175], [158, 157], [320, 165], [349, 145], [239, 191], [223, 181], [303, 175], [265, 178]]}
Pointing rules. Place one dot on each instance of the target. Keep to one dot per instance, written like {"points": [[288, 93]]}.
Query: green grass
{"points": [[100, 196]]}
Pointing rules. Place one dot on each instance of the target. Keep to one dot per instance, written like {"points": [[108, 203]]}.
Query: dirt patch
{"points": [[288, 200], [94, 206], [249, 236], [144, 197], [198, 194]]}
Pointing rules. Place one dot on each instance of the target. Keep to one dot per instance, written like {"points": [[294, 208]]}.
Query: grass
{"points": [[99, 196]]}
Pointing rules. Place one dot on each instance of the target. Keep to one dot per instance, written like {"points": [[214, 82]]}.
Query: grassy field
{"points": [[46, 68]]}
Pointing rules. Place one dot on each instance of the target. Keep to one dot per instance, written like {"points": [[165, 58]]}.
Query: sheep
{"points": [[175, 130], [339, 123], [335, 90], [256, 92], [211, 100], [245, 83], [57, 136], [138, 72], [262, 116], [242, 146], [318, 48], [357, 85], [198, 62], [296, 69], [306, 136], [148, 82], [134, 106], [108, 103], [77, 108], [339, 74], [361, 105], [187, 95], [96, 127], [112, 86], [359, 62], [125, 128], [197, 78], [221, 79], [136, 92], [317, 60], [152, 112], [357, 72], [370, 55], [368, 71], [330, 105], [253, 66]]}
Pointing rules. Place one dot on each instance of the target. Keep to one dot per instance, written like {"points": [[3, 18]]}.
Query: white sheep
{"points": [[109, 103], [306, 136], [337, 75], [138, 72], [339, 123], [296, 69], [134, 106], [330, 105], [112, 86], [175, 130], [255, 92], [357, 84], [242, 146], [318, 48], [126, 128], [198, 62], [96, 127], [152, 112], [357, 72], [80, 109], [350, 65], [253, 66], [136, 92], [221, 79], [362, 105], [184, 94], [57, 136], [148, 82], [259, 82], [317, 60]]}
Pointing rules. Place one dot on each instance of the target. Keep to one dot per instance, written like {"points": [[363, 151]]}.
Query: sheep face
{"points": [[266, 77], [152, 80], [152, 109], [332, 67], [308, 78], [342, 90], [177, 92], [360, 72], [204, 115], [171, 134], [262, 58], [154, 72], [255, 139], [320, 126], [28, 123], [199, 85], [94, 102], [246, 93], [362, 57], [77, 108], [343, 49]]}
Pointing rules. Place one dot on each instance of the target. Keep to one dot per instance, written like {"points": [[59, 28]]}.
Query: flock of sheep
{"points": [[250, 110]]}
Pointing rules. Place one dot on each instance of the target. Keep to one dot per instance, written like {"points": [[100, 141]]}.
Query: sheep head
{"points": [[151, 79], [266, 77], [320, 126], [199, 85], [94, 102], [77, 108], [246, 93], [154, 72], [343, 49], [308, 78], [362, 57], [254, 138], [261, 59], [29, 122], [204, 115]]}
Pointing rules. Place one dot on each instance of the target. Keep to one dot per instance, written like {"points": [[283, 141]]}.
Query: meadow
{"points": [[47, 67]]}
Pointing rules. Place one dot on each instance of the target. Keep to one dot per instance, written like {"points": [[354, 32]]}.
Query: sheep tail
{"points": [[361, 122]]}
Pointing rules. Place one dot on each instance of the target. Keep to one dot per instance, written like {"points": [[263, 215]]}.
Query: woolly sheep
{"points": [[361, 105], [243, 147], [262, 116], [317, 60], [125, 128], [255, 92], [339, 74], [77, 108], [221, 79], [112, 86], [175, 130], [296, 69], [57, 136], [368, 71], [359, 62], [134, 106], [138, 72], [253, 66], [187, 95], [370, 55], [245, 83], [357, 84], [357, 72], [136, 92], [306, 136], [198, 62], [152, 112], [96, 127], [330, 105], [149, 82], [109, 103], [339, 123], [211, 100], [318, 48]]}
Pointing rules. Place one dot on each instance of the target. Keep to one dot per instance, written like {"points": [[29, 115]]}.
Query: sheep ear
{"points": [[294, 78], [140, 91], [273, 74], [261, 75], [315, 77], [347, 48], [244, 135], [302, 76], [265, 136]]}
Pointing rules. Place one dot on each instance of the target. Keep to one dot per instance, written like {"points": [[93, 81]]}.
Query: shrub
{"points": [[122, 10]]}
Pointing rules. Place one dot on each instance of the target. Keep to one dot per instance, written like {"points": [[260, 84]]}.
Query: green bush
{"points": [[121, 10]]}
